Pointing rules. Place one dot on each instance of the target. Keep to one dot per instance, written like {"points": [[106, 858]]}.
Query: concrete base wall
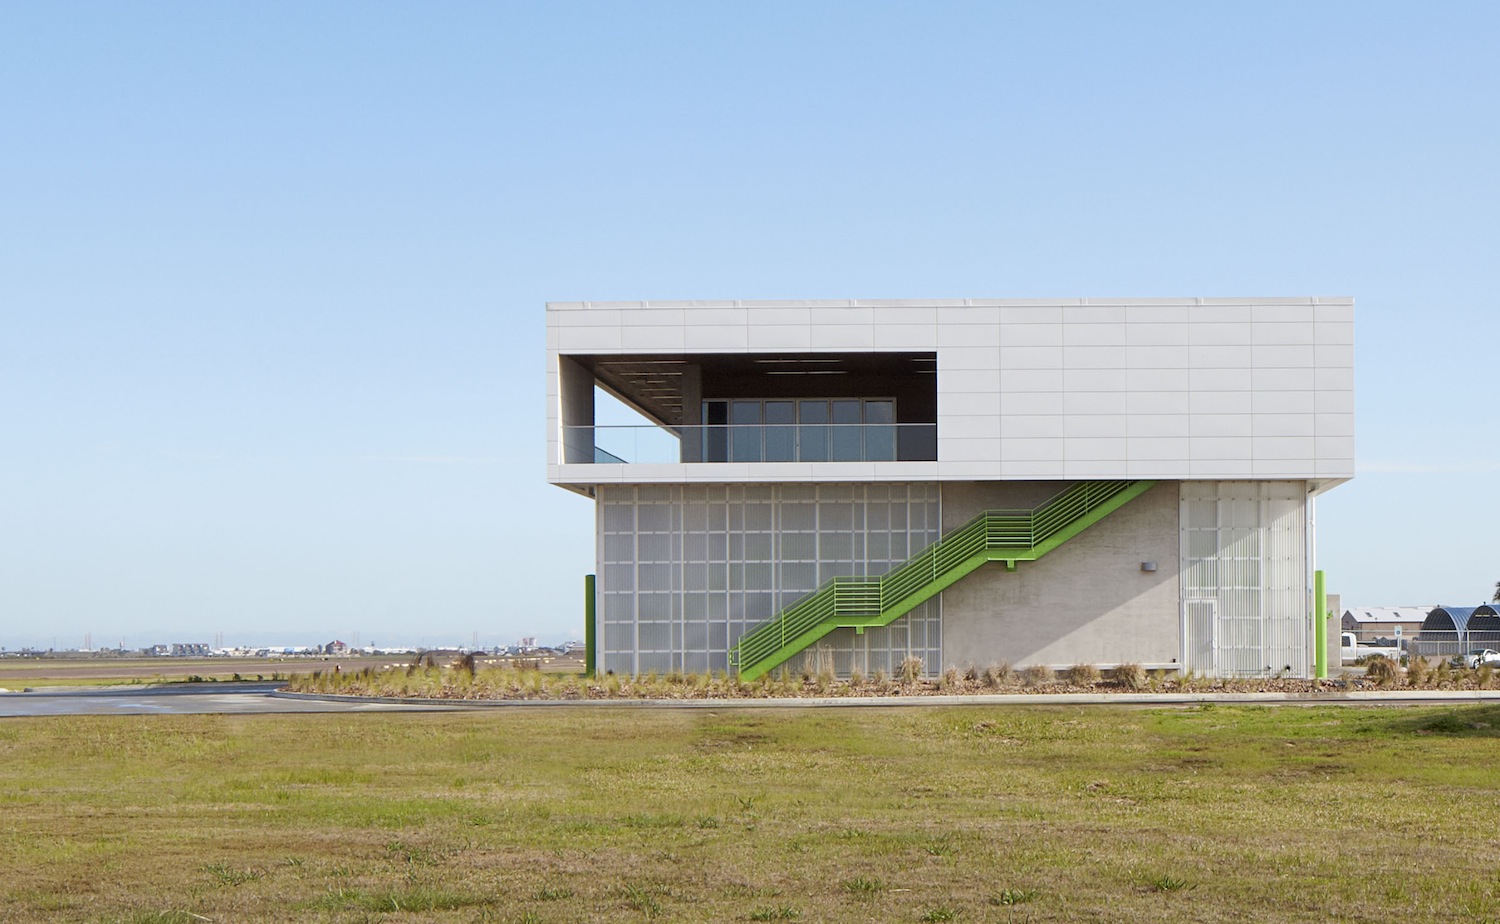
{"points": [[1088, 602]]}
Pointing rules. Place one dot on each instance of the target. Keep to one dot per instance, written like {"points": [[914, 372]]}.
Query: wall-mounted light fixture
{"points": [[1148, 566]]}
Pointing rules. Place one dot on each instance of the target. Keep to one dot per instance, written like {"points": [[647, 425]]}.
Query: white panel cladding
{"points": [[1245, 587], [685, 570], [1175, 375]]}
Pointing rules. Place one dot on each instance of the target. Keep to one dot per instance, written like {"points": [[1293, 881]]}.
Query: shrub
{"points": [[424, 660], [826, 676], [1382, 671], [998, 675], [1418, 672], [1129, 677], [1443, 675], [911, 669], [949, 683], [1037, 675], [1083, 675]]}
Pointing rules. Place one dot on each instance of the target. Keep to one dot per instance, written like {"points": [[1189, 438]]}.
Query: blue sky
{"points": [[272, 275]]}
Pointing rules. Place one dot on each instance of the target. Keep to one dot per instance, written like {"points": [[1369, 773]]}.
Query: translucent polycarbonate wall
{"points": [[917, 634], [685, 570], [1246, 610]]}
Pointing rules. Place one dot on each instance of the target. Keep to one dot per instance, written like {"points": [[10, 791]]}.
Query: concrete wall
{"points": [[576, 406], [1087, 602]]}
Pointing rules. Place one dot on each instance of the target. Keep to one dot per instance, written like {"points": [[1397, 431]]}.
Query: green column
{"points": [[1320, 626], [590, 650]]}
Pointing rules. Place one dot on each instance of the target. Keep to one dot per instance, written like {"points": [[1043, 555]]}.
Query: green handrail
{"points": [[994, 535]]}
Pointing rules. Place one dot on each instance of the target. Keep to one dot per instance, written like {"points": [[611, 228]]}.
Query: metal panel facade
{"points": [[1039, 389]]}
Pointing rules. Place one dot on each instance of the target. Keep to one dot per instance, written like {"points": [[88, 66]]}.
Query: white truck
{"points": [[1351, 650]]}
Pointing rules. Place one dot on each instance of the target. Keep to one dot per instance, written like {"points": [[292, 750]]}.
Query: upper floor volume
{"points": [[965, 389]]}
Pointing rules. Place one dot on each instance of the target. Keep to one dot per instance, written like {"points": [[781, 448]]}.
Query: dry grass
{"points": [[1083, 675], [42, 672], [1383, 672], [815, 678], [970, 814], [1129, 677], [998, 676], [1037, 675]]}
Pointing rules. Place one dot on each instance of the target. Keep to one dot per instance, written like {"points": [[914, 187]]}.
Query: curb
{"points": [[1360, 697]]}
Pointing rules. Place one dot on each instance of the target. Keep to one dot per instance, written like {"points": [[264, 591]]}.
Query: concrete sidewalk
{"points": [[1351, 698]]}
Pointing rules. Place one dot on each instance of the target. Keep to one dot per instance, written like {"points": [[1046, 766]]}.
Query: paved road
{"points": [[185, 699]]}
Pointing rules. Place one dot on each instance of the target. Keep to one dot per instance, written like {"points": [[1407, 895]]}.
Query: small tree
{"points": [[1497, 593]]}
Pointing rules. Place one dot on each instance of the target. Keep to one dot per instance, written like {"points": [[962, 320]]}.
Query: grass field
{"points": [[16, 673], [36, 673], [582, 814]]}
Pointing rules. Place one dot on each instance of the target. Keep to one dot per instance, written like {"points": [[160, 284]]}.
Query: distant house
{"points": [[335, 647], [1369, 623]]}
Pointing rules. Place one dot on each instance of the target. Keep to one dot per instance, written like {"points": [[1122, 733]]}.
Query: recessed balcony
{"points": [[747, 408]]}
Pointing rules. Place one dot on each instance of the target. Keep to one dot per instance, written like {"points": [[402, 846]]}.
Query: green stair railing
{"points": [[995, 535]]}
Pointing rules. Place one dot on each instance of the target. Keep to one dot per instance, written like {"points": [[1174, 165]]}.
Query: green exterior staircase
{"points": [[995, 535]]}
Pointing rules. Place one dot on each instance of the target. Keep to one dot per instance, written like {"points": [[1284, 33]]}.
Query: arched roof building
{"points": [[1457, 629]]}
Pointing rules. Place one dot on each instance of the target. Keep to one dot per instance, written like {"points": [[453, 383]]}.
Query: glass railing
{"points": [[644, 444]]}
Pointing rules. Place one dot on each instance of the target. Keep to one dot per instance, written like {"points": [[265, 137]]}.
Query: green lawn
{"points": [[580, 814]]}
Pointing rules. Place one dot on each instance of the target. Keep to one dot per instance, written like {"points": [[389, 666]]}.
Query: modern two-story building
{"points": [[1039, 481]]}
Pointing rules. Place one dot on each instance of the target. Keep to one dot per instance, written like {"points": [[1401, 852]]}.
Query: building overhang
{"points": [[1024, 389]]}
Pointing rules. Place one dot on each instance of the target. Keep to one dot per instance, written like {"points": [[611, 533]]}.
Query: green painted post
{"points": [[590, 651], [1320, 626]]}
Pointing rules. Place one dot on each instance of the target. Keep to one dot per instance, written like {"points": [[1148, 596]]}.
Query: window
{"points": [[801, 430]]}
